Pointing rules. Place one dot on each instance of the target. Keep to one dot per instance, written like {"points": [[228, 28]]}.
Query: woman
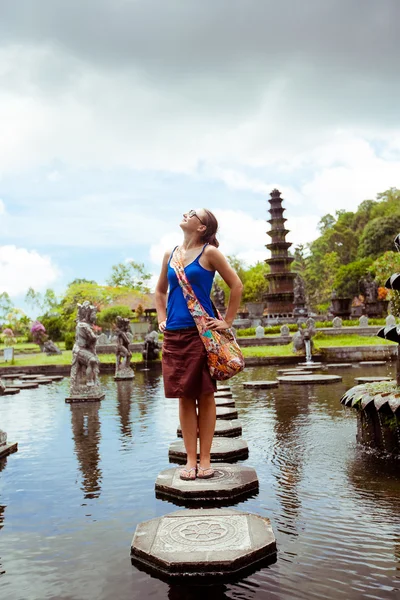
{"points": [[184, 360]]}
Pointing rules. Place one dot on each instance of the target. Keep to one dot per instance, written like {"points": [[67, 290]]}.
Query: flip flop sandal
{"points": [[205, 476], [186, 474]]}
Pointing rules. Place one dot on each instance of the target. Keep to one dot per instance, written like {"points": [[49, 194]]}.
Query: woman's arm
{"points": [[161, 293], [218, 262]]}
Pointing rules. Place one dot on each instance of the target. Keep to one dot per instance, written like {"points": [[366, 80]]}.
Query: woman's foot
{"points": [[188, 473], [204, 473]]}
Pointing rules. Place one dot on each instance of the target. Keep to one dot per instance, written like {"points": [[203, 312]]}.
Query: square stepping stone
{"points": [[6, 449], [222, 450], [226, 412], [371, 379], [307, 379], [260, 385], [223, 395], [29, 377], [77, 399], [25, 385], [10, 391], [11, 376], [223, 429], [214, 543], [340, 365], [223, 388], [230, 483]]}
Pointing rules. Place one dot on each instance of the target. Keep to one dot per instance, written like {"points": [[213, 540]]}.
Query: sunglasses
{"points": [[192, 213]]}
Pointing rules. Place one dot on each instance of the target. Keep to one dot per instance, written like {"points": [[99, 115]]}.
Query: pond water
{"points": [[84, 475]]}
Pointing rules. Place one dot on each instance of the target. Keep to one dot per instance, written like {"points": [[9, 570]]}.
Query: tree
{"points": [[5, 305], [107, 317], [130, 274], [384, 266], [255, 284], [347, 279], [378, 236], [326, 222], [44, 302]]}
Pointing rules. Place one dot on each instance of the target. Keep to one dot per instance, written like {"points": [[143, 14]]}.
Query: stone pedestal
{"points": [[5, 447], [124, 374], [225, 402], [222, 450], [229, 484], [307, 379], [198, 543]]}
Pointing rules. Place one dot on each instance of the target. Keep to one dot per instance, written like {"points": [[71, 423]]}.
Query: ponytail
{"points": [[210, 234]]}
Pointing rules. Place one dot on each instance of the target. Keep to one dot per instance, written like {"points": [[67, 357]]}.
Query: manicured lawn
{"points": [[62, 359], [326, 341]]}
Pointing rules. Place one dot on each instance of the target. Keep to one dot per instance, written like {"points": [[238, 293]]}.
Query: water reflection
{"points": [[86, 434], [124, 400], [288, 454]]}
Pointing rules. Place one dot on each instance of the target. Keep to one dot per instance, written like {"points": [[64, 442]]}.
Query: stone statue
{"points": [[369, 288], [151, 350], [219, 297], [390, 321], [302, 339], [85, 384], [260, 332], [285, 331], [123, 354], [363, 321], [50, 348], [299, 291]]}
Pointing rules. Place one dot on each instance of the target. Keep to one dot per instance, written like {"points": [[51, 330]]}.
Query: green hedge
{"points": [[69, 339]]}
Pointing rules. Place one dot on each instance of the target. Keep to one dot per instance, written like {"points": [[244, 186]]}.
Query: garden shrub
{"points": [[69, 339]]}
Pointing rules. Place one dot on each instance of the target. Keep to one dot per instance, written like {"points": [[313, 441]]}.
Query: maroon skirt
{"points": [[184, 365]]}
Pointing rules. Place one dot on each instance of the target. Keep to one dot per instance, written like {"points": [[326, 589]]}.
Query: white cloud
{"points": [[2, 207], [21, 268]]}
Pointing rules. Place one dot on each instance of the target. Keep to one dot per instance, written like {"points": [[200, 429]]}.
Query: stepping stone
{"points": [[222, 450], [224, 402], [223, 395], [307, 379], [223, 429], [78, 399], [56, 377], [31, 377], [203, 543], [260, 385], [223, 388], [340, 365], [10, 391], [43, 381], [230, 482], [28, 385], [293, 370], [370, 379], [6, 449], [226, 412], [314, 367], [11, 376], [372, 363]]}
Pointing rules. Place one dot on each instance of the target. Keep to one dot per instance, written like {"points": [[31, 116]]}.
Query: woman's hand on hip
{"points": [[217, 324], [161, 326]]}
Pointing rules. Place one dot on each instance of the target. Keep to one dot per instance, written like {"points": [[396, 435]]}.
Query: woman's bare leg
{"points": [[207, 416], [188, 420]]}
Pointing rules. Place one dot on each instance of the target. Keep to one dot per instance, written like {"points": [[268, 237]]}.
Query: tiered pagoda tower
{"points": [[279, 298]]}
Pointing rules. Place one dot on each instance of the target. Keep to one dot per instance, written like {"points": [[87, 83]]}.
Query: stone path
{"points": [[260, 384], [207, 543], [223, 429], [230, 482], [204, 542], [222, 450], [307, 379]]}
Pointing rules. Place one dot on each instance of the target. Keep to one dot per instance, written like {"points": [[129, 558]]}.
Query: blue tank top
{"points": [[201, 280]]}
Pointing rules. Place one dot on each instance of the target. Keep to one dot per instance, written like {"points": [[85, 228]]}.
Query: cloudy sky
{"points": [[118, 115]]}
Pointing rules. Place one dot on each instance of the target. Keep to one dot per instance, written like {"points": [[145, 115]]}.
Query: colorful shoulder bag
{"points": [[224, 357]]}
